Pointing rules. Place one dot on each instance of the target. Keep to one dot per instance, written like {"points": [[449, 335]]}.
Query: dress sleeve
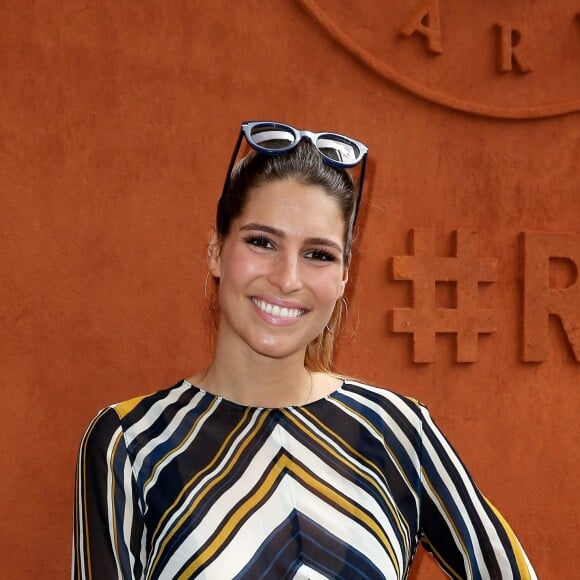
{"points": [[465, 533], [108, 524]]}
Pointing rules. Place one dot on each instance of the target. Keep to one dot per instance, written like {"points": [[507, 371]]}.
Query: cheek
{"points": [[239, 267], [328, 289]]}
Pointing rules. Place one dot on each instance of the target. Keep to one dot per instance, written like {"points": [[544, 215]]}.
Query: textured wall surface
{"points": [[117, 122]]}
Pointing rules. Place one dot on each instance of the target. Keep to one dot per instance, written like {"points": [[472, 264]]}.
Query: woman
{"points": [[266, 464]]}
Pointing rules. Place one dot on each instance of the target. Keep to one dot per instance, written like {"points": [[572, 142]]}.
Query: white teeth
{"points": [[274, 310]]}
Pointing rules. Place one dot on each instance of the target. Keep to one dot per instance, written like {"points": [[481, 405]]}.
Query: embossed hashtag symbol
{"points": [[424, 320]]}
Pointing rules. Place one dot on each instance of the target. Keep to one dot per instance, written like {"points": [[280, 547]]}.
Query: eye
{"points": [[259, 241], [321, 256]]}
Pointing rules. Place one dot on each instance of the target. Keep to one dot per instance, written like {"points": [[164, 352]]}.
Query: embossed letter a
{"points": [[425, 21]]}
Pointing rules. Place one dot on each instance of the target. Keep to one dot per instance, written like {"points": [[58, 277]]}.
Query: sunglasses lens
{"points": [[272, 137], [338, 149]]}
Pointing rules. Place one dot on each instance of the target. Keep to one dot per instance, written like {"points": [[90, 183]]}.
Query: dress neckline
{"points": [[239, 405]]}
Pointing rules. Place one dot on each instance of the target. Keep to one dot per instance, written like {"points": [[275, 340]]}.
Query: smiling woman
{"points": [[281, 272], [266, 464]]}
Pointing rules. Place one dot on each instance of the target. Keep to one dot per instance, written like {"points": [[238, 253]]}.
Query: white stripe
{"points": [[79, 533], [155, 411], [275, 511], [175, 451], [307, 573], [397, 431], [350, 490], [128, 510], [456, 497], [533, 575], [388, 420], [397, 401], [298, 450], [193, 493]]}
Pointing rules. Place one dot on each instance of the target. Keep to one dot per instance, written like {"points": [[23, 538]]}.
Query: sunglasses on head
{"points": [[271, 138]]}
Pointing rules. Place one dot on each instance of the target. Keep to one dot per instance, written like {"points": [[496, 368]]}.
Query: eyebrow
{"points": [[281, 234]]}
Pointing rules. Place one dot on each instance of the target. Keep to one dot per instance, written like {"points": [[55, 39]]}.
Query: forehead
{"points": [[295, 208]]}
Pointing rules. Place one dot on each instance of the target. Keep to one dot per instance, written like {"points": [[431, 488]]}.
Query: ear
{"points": [[214, 253], [343, 282]]}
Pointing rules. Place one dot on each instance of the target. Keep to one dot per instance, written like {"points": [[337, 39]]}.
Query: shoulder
{"points": [[396, 420], [383, 400], [377, 393], [125, 427], [118, 416], [158, 398]]}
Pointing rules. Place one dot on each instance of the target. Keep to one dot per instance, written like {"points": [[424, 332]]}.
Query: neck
{"points": [[256, 380]]}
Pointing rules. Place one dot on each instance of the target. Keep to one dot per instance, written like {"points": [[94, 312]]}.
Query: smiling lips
{"points": [[277, 311]]}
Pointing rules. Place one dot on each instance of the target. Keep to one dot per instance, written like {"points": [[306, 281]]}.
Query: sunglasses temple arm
{"points": [[233, 161], [360, 189]]}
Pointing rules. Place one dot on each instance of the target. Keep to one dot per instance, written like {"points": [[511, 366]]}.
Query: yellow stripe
{"points": [[516, 547], [199, 498], [286, 463], [124, 408]]}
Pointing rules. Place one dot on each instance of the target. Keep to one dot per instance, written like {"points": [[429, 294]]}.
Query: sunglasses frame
{"points": [[246, 131]]}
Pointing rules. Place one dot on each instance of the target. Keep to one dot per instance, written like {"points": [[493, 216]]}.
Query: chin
{"points": [[276, 351], [274, 347]]}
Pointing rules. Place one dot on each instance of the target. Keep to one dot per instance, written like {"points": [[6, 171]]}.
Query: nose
{"points": [[286, 273]]}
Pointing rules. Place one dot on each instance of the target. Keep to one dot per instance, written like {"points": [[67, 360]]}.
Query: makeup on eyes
{"points": [[319, 253]]}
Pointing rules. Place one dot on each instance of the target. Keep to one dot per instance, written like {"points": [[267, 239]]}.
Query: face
{"points": [[280, 269]]}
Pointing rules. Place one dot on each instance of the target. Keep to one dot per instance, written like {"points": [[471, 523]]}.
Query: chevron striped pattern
{"points": [[184, 484]]}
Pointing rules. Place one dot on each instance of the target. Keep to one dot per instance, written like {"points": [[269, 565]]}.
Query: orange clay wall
{"points": [[117, 123]]}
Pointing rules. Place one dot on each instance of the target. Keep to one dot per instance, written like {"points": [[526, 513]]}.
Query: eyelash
{"points": [[318, 255], [322, 256], [259, 240]]}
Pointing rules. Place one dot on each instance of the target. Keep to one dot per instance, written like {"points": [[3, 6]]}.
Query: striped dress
{"points": [[186, 484]]}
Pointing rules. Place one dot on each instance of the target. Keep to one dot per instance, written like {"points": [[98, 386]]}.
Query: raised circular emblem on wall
{"points": [[517, 59]]}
